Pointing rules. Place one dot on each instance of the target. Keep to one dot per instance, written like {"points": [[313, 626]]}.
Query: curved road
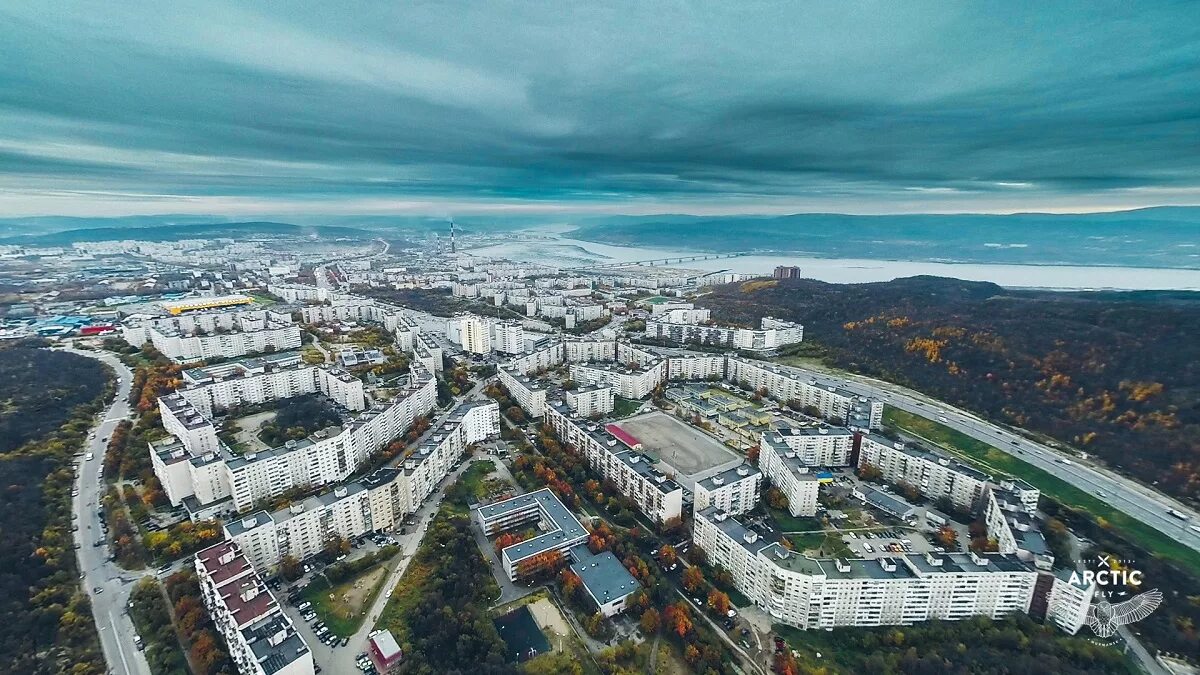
{"points": [[1137, 500], [107, 585]]}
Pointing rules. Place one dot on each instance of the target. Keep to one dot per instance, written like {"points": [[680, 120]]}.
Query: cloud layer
{"points": [[681, 106]]}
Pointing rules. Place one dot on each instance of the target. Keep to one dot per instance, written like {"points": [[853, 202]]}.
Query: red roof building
{"points": [[623, 436], [384, 650]]}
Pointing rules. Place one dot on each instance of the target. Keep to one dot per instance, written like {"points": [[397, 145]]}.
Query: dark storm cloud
{"points": [[870, 105]]}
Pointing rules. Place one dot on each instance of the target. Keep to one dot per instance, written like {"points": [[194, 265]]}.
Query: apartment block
{"points": [[626, 382], [811, 593], [207, 335], [814, 444], [529, 393], [262, 640], [829, 401], [589, 400], [734, 491], [267, 378], [695, 367], [935, 476], [789, 472]]}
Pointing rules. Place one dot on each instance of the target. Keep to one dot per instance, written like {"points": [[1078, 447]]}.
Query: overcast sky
{"points": [[344, 107]]}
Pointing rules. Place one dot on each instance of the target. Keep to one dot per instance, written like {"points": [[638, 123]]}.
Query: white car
{"points": [[89, 457]]}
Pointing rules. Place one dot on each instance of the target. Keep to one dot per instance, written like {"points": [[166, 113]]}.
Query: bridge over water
{"points": [[673, 260]]}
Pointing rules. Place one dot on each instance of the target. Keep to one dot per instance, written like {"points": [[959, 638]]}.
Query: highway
{"points": [[1124, 494], [107, 585]]}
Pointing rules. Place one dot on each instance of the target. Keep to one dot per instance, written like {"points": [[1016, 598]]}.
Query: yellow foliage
{"points": [[1141, 391], [752, 286], [932, 349]]}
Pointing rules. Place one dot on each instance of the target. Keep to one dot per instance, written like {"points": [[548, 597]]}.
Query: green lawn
{"points": [[342, 617], [789, 523], [998, 461], [624, 407]]}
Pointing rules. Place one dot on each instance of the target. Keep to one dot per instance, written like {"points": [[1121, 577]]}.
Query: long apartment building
{"points": [[207, 335], [811, 593], [379, 501], [261, 638], [268, 378], [559, 530], [830, 402], [626, 382], [935, 476], [695, 367], [616, 461], [815, 444], [773, 334], [200, 466]]}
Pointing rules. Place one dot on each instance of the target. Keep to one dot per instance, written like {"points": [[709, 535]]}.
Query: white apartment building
{"points": [[508, 337], [829, 401], [580, 350], [1068, 601], [815, 444], [790, 473], [551, 354], [207, 335], [526, 391], [268, 378], [261, 638], [734, 491], [474, 333], [774, 333], [626, 383], [378, 502], [214, 473], [695, 367], [300, 292], [586, 401], [813, 593], [934, 475], [657, 496]]}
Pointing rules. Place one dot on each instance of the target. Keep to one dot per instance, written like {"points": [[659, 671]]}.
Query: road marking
{"points": [[116, 636]]}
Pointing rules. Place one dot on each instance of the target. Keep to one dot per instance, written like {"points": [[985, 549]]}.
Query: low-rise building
{"points": [[560, 530], [605, 579]]}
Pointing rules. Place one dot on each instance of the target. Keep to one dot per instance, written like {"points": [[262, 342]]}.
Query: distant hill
{"points": [[176, 232], [1116, 374], [1154, 237]]}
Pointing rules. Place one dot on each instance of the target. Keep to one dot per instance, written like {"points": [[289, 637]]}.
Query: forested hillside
{"points": [[49, 399], [39, 389], [1114, 374]]}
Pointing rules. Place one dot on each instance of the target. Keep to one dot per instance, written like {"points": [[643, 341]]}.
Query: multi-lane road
{"points": [[107, 585], [1128, 496]]}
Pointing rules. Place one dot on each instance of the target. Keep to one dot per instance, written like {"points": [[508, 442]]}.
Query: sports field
{"points": [[687, 449]]}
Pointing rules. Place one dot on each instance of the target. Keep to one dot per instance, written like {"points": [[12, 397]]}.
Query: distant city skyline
{"points": [[704, 108]]}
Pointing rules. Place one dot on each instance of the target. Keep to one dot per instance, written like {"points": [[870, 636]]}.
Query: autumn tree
{"points": [[718, 602], [650, 621], [667, 555], [676, 619], [693, 579]]}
